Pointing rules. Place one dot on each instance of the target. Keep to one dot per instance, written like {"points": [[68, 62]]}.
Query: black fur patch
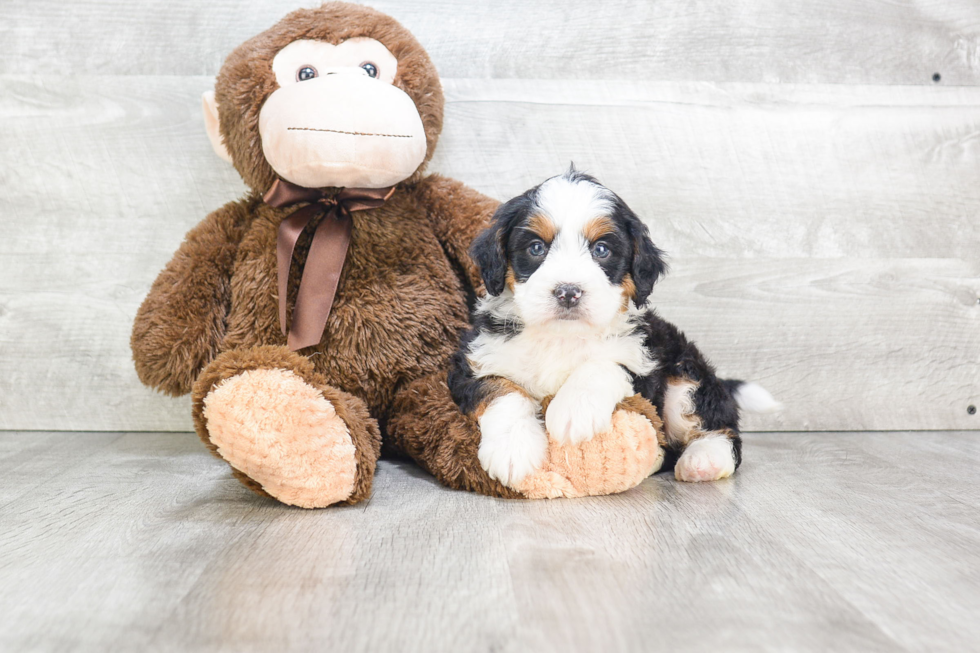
{"points": [[522, 261], [647, 262], [616, 265], [678, 357], [488, 323], [489, 248], [632, 251], [468, 391]]}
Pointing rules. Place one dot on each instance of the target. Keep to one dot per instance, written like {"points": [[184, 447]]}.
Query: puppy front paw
{"points": [[574, 416], [706, 459], [513, 443], [584, 405]]}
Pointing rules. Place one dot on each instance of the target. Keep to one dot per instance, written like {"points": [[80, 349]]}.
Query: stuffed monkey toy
{"points": [[313, 320]]}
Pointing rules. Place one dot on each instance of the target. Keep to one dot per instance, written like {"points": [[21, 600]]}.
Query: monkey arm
{"points": [[458, 213], [181, 322]]}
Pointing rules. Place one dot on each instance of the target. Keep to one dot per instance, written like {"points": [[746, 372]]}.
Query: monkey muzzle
{"points": [[342, 129]]}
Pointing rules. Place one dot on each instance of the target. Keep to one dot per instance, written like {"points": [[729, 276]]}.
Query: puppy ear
{"points": [[489, 250], [648, 263]]}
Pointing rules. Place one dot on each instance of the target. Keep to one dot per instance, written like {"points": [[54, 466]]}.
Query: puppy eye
{"points": [[371, 69], [305, 73], [536, 248], [601, 250]]}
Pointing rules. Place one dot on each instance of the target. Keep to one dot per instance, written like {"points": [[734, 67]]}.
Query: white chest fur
{"points": [[540, 359]]}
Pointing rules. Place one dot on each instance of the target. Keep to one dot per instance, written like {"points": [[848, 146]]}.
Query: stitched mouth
{"points": [[340, 131]]}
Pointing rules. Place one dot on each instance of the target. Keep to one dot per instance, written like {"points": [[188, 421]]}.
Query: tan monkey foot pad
{"points": [[281, 432], [611, 462]]}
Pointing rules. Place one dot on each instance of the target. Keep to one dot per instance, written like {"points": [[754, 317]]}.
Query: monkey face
{"points": [[336, 119], [337, 96]]}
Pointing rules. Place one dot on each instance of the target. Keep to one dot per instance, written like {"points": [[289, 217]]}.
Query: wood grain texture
{"points": [[844, 542], [736, 170], [823, 239], [879, 343], [824, 41], [717, 170]]}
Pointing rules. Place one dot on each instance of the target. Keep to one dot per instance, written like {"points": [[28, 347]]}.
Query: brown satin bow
{"points": [[321, 273]]}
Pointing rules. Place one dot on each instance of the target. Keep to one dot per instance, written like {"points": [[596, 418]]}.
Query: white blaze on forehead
{"points": [[571, 205]]}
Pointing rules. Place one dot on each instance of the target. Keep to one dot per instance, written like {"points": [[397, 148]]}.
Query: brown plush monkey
{"points": [[321, 310]]}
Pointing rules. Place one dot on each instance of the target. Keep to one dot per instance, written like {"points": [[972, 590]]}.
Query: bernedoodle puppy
{"points": [[568, 269]]}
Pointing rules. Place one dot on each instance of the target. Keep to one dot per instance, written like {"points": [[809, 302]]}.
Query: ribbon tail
{"points": [[289, 232], [321, 275]]}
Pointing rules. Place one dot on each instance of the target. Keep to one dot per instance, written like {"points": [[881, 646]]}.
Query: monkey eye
{"points": [[536, 248], [305, 73], [371, 69], [600, 250]]}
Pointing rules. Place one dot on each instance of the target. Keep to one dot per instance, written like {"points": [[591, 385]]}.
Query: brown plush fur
{"points": [[400, 304], [363, 429], [398, 309], [181, 323], [446, 201], [638, 404], [430, 428], [401, 301]]}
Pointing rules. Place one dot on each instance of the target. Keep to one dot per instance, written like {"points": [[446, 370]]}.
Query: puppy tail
{"points": [[752, 397]]}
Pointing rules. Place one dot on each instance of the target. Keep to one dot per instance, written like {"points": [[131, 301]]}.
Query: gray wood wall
{"points": [[817, 190]]}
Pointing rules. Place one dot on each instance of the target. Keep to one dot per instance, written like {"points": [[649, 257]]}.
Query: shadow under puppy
{"points": [[568, 269]]}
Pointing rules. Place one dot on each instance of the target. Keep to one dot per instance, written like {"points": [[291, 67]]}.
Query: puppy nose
{"points": [[568, 295]]}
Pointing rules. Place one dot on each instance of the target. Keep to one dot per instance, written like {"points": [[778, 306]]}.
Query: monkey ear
{"points": [[212, 125]]}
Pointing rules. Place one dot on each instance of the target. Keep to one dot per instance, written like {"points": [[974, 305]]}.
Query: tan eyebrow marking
{"points": [[596, 228], [496, 387], [543, 227]]}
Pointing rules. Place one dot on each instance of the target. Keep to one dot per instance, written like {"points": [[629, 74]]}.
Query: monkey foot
{"points": [[281, 432], [611, 462]]}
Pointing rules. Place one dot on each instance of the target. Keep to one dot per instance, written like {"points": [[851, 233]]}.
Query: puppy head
{"points": [[569, 250]]}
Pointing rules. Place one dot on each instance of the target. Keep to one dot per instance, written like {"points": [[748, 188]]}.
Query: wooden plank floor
{"points": [[823, 541]]}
